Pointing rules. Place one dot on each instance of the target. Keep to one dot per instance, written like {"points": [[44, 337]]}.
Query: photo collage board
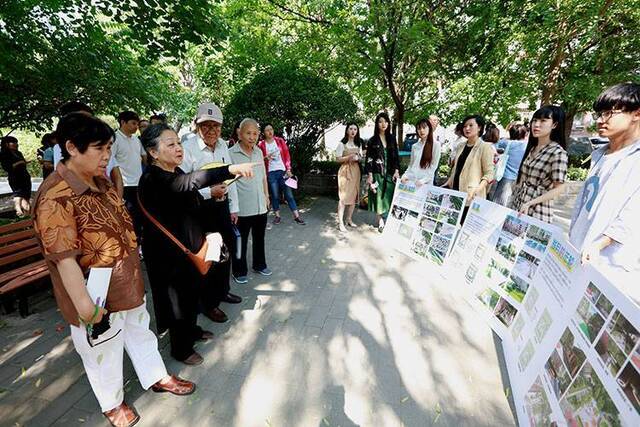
{"points": [[501, 256], [591, 374], [423, 221], [570, 337]]}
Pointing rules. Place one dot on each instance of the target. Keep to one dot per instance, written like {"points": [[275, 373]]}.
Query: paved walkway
{"points": [[344, 333]]}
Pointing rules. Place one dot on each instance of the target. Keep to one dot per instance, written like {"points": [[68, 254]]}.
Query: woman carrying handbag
{"points": [[171, 197]]}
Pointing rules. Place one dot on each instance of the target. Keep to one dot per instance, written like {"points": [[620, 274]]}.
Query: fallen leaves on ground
{"points": [[438, 412]]}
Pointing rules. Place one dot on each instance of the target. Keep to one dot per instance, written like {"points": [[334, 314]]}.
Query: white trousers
{"points": [[103, 362]]}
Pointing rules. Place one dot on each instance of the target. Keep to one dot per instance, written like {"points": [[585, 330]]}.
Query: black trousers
{"points": [[216, 283], [465, 211], [256, 224], [183, 334], [130, 196]]}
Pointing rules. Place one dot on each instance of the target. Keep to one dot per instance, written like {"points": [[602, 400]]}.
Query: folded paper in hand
{"points": [[214, 242], [98, 285]]}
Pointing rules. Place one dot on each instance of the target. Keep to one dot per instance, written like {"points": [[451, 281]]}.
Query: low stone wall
{"points": [[319, 185], [327, 185]]}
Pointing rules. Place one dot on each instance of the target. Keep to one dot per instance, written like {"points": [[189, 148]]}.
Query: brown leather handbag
{"points": [[196, 259]]}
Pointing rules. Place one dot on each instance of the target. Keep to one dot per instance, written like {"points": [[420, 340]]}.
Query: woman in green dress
{"points": [[382, 167]]}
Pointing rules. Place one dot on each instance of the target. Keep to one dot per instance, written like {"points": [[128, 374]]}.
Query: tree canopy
{"points": [[295, 100], [112, 55], [412, 58]]}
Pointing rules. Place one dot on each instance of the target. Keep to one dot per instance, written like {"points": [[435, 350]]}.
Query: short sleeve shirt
{"points": [[127, 152], [275, 164], [94, 227], [251, 197], [539, 172]]}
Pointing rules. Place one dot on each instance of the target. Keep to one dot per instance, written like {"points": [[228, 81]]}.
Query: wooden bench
{"points": [[21, 261]]}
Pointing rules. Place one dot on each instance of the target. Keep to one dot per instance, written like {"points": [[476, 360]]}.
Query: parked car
{"points": [[409, 140], [579, 146]]}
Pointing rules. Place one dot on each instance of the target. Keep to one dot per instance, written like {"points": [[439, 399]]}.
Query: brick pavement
{"points": [[344, 333]]}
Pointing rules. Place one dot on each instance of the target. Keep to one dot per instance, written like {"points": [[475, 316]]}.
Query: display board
{"points": [[505, 260], [590, 374], [570, 336], [424, 221]]}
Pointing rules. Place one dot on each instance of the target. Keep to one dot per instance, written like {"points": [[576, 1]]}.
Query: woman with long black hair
{"points": [[382, 166], [348, 154], [425, 156], [544, 169]]}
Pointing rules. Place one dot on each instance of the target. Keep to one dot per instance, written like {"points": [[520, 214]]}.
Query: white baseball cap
{"points": [[208, 112]]}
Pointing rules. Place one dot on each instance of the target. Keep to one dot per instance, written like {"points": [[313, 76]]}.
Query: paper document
{"points": [[98, 285], [214, 241]]}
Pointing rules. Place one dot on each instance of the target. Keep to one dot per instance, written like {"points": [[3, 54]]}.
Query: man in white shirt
{"points": [[605, 226], [220, 203], [129, 156]]}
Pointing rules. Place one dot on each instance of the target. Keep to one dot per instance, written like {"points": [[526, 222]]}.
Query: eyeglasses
{"points": [[605, 115]]}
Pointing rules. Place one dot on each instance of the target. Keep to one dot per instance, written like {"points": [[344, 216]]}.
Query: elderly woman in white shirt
{"points": [[425, 156]]}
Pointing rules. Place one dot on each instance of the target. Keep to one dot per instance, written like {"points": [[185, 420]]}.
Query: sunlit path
{"points": [[346, 332]]}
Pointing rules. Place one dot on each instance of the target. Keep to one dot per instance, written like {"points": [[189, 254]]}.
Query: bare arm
{"points": [[74, 283], [558, 188], [265, 188], [116, 178]]}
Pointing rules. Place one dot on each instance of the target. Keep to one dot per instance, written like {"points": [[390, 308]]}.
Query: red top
{"points": [[284, 152]]}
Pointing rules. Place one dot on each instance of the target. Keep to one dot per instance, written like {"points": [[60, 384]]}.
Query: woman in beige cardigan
{"points": [[473, 168]]}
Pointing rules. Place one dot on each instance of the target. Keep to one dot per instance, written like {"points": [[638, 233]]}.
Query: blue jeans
{"points": [[276, 184]]}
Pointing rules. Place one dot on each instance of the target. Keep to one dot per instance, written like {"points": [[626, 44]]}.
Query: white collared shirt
{"points": [[425, 175], [128, 154], [198, 154]]}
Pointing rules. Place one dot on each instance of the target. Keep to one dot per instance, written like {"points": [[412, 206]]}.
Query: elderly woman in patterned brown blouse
{"points": [[81, 223]]}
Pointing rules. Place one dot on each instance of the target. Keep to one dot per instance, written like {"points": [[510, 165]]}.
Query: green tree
{"points": [[562, 52], [294, 99], [388, 52], [113, 55]]}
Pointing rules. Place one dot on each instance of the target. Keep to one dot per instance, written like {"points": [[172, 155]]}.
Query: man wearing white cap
{"points": [[220, 204]]}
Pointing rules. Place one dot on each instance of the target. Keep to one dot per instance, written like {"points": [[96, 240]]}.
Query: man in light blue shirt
{"points": [[514, 149], [605, 225]]}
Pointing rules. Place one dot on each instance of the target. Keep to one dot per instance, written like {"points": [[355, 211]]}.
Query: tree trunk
{"points": [[568, 124], [399, 125]]}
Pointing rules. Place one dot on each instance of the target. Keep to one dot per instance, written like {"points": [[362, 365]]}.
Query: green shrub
{"points": [[577, 174], [325, 167], [579, 160]]}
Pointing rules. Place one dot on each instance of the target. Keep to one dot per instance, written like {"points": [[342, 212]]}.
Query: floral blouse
{"points": [[72, 220]]}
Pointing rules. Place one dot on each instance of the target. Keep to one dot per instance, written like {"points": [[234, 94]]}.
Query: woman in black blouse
{"points": [[172, 198], [382, 167], [15, 165]]}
